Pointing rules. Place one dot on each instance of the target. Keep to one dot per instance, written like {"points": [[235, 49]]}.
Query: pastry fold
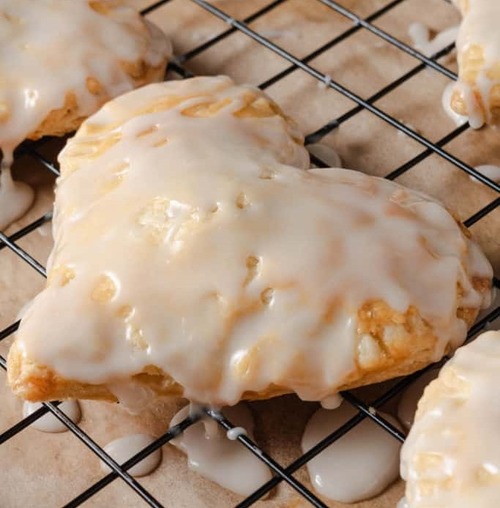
{"points": [[477, 93], [194, 255], [61, 61], [452, 454]]}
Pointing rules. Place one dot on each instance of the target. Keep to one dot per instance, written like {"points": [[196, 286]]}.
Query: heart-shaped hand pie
{"points": [[194, 255]]}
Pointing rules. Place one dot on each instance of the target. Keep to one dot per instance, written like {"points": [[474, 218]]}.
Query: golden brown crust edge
{"points": [[69, 117], [399, 344]]}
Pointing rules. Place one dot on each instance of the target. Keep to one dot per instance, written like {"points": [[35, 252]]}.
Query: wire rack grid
{"points": [[180, 67]]}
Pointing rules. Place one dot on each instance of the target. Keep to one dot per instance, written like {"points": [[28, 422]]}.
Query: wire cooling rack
{"points": [[180, 66]]}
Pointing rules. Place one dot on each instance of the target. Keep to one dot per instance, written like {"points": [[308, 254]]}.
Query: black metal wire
{"points": [[365, 409]]}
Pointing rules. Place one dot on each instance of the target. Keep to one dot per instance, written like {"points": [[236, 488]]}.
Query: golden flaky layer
{"points": [[191, 241]]}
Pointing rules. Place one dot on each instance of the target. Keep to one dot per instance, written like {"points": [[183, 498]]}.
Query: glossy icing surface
{"points": [[452, 454], [124, 448], [50, 423], [81, 47], [223, 267], [216, 455], [359, 465]]}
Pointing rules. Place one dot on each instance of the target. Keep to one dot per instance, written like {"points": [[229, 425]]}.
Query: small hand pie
{"points": [[451, 457], [477, 93], [194, 255], [61, 60]]}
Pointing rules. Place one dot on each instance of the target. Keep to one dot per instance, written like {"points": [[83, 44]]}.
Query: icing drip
{"points": [[23, 309], [15, 197], [446, 103], [411, 396], [451, 457], [232, 273], [492, 172], [326, 153], [126, 447], [478, 47], [50, 423], [360, 465], [332, 402], [234, 434], [76, 53], [217, 456], [422, 41]]}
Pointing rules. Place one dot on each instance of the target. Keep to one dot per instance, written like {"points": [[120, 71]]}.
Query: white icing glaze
{"points": [[41, 62], [479, 27], [48, 422], [234, 433], [360, 465], [45, 229], [419, 34], [216, 262], [421, 40], [446, 103], [23, 309], [215, 454], [325, 83], [124, 448], [489, 170], [332, 402], [451, 457], [15, 198], [326, 153], [408, 403]]}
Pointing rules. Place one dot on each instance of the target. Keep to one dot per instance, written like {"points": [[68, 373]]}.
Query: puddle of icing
{"points": [[15, 197], [421, 38], [326, 153], [488, 170], [409, 401], [48, 422], [124, 448], [216, 455], [360, 465]]}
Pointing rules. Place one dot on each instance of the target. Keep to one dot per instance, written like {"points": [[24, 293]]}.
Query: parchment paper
{"points": [[46, 470]]}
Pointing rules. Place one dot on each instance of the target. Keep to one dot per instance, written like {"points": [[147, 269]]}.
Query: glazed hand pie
{"points": [[477, 93], [194, 255], [451, 457], [61, 60]]}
